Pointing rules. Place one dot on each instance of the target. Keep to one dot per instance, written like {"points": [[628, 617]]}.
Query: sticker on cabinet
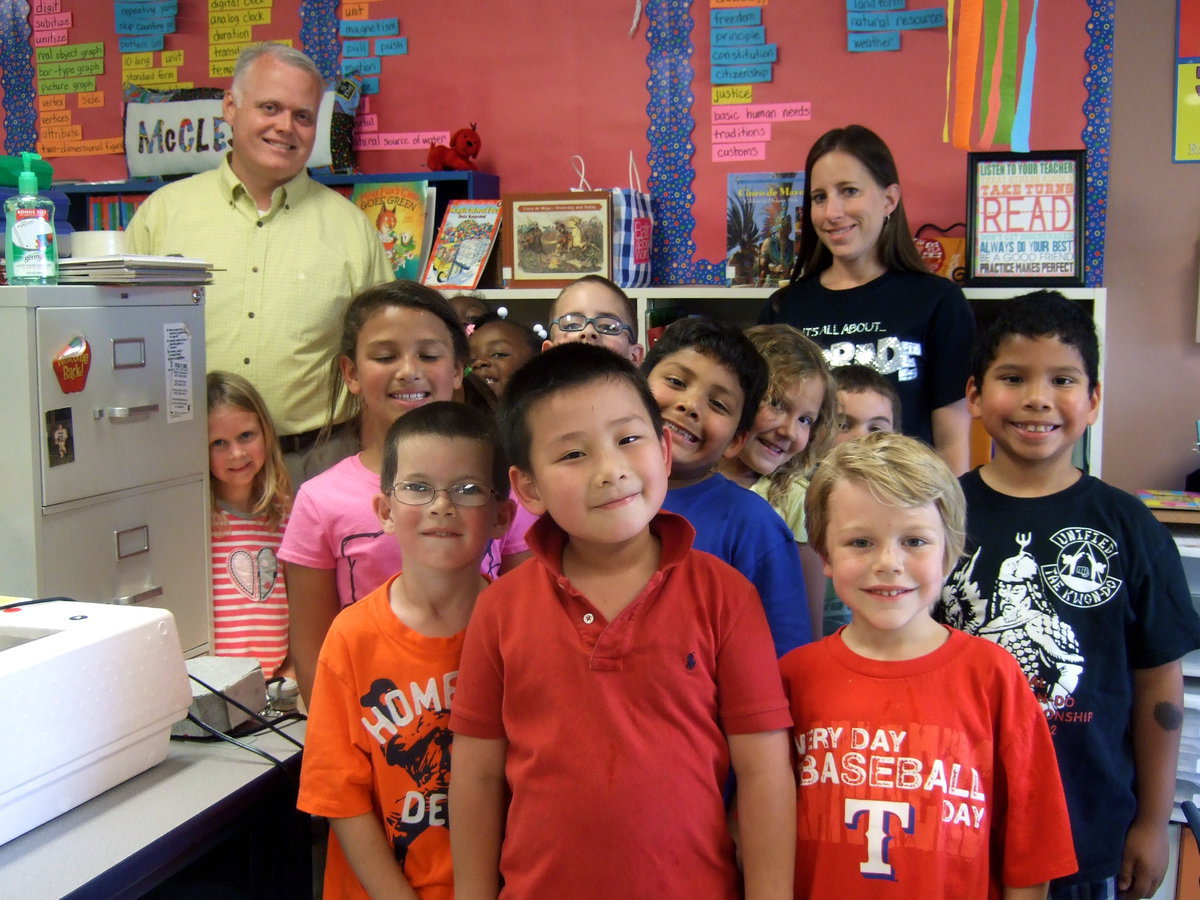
{"points": [[178, 341]]}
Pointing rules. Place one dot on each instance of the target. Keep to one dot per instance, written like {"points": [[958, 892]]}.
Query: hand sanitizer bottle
{"points": [[30, 251]]}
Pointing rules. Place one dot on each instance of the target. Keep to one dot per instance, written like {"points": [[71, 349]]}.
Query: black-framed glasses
{"points": [[610, 326], [465, 494]]}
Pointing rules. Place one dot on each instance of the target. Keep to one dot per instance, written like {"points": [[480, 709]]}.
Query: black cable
{"points": [[251, 728], [17, 603], [200, 723], [254, 715]]}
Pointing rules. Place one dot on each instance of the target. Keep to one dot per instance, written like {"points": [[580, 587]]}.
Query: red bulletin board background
{"points": [[900, 95], [545, 80], [92, 20], [1189, 29]]}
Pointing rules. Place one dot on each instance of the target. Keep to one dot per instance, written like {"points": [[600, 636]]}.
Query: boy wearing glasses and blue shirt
{"points": [[593, 309], [377, 759]]}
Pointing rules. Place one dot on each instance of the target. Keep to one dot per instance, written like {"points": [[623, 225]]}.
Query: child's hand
{"points": [[1145, 861]]}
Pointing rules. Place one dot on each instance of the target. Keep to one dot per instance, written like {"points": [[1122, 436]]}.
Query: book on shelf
{"points": [[762, 225], [463, 245], [112, 212], [401, 213], [1156, 499]]}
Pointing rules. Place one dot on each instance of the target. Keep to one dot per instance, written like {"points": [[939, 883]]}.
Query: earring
{"points": [[887, 219]]}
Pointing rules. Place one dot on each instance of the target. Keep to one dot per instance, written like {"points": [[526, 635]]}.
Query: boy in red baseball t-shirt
{"points": [[924, 765]]}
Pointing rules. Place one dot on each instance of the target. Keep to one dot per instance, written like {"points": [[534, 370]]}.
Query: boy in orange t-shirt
{"points": [[376, 761]]}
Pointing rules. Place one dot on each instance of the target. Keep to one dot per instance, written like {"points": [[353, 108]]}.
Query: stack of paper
{"points": [[130, 269]]}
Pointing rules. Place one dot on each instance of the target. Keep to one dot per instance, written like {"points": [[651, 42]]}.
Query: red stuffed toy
{"points": [[460, 155]]}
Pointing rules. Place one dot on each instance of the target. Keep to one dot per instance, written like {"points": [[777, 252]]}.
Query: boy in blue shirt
{"points": [[1079, 582], [708, 380]]}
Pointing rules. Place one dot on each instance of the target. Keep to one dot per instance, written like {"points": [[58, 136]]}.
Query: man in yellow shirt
{"points": [[289, 252]]}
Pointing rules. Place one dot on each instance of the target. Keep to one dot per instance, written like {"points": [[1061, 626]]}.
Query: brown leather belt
{"points": [[295, 443]]}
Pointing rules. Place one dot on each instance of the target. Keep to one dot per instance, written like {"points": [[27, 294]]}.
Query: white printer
{"points": [[88, 694]]}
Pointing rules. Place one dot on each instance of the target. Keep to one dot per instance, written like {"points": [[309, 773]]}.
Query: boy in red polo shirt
{"points": [[614, 680]]}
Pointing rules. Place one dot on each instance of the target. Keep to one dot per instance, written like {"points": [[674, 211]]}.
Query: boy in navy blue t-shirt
{"points": [[1079, 582]]}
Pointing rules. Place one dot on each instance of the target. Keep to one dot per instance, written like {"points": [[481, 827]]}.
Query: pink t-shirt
{"points": [[334, 526]]}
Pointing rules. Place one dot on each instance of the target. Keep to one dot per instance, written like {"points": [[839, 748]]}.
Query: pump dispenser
{"points": [[30, 250]]}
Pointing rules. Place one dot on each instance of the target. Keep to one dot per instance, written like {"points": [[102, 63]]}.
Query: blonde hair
{"points": [[899, 471], [271, 493], [281, 53], [792, 358]]}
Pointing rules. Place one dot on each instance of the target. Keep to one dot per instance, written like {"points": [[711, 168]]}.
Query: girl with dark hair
{"points": [[401, 348]]}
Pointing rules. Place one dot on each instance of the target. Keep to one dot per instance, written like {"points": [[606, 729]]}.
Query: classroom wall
{"points": [[545, 81], [1152, 374], [1153, 365]]}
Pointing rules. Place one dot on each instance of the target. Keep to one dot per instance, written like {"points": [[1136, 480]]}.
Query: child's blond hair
{"points": [[898, 471], [792, 358], [271, 492]]}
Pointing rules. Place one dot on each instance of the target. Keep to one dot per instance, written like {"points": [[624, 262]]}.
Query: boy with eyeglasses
{"points": [[595, 310], [377, 760]]}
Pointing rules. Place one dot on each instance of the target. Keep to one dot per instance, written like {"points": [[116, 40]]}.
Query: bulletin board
{"points": [[544, 81]]}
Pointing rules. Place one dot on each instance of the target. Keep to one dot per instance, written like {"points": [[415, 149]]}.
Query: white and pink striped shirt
{"points": [[250, 605]]}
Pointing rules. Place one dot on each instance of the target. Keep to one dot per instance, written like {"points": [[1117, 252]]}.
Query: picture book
{"points": [[762, 227], [397, 210], [463, 244], [1156, 499], [551, 239]]}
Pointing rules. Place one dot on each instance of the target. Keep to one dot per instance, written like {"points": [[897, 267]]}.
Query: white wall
{"points": [[1152, 373]]}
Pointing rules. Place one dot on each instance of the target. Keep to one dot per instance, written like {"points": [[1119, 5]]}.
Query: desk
{"points": [[210, 820]]}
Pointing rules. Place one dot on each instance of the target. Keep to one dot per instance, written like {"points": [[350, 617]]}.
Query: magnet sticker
{"points": [[72, 364], [60, 437]]}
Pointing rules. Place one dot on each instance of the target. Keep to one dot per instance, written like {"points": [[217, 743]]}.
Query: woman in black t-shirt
{"points": [[861, 291]]}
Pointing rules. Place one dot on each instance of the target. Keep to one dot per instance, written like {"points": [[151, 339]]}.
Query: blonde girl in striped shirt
{"points": [[251, 498]]}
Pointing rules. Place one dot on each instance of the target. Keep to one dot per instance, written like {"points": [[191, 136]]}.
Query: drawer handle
{"points": [[148, 594], [126, 412]]}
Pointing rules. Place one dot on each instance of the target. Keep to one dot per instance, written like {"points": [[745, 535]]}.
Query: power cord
{"points": [[201, 724], [251, 728], [247, 710]]}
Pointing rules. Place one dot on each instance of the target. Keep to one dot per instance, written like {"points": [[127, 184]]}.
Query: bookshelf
{"points": [[450, 186], [741, 306]]}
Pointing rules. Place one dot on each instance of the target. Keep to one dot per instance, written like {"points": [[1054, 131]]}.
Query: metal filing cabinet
{"points": [[103, 495]]}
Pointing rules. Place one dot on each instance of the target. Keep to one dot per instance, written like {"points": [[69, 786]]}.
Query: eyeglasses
{"points": [[466, 494], [610, 326]]}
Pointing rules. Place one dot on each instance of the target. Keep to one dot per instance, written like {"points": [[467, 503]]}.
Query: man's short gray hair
{"points": [[282, 53]]}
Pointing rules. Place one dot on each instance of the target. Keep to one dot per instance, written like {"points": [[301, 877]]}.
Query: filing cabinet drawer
{"points": [[140, 417], [141, 547]]}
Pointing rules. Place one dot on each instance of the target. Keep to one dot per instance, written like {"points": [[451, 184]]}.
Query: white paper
{"points": [[177, 340]]}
